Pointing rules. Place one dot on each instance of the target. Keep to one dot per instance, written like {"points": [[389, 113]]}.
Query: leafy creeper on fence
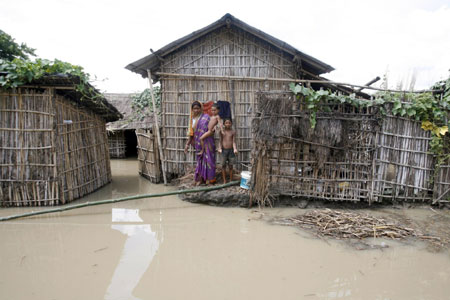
{"points": [[430, 108]]}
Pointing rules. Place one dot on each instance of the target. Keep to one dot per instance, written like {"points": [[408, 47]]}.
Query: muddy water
{"points": [[164, 248]]}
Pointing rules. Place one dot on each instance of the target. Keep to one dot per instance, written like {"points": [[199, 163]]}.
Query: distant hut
{"points": [[121, 133], [227, 60], [53, 142], [133, 136]]}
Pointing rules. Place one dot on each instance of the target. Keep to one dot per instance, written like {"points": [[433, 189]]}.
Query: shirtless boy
{"points": [[227, 147]]}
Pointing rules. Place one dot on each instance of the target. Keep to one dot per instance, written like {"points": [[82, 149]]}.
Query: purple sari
{"points": [[206, 163]]}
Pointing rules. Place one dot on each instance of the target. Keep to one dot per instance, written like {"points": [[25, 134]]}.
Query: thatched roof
{"points": [[123, 103], [153, 60], [93, 100]]}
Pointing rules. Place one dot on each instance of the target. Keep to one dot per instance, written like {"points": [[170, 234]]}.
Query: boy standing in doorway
{"points": [[227, 146]]}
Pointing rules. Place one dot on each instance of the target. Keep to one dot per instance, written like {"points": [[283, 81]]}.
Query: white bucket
{"points": [[245, 179]]}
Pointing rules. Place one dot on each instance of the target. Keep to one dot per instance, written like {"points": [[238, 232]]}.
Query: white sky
{"points": [[360, 39]]}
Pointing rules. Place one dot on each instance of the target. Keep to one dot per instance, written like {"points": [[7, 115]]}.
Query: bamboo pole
{"points": [[250, 78], [155, 120], [61, 209]]}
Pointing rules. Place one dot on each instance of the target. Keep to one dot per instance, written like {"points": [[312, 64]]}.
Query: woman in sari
{"points": [[205, 171]]}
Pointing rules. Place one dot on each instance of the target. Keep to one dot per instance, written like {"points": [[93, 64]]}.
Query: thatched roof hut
{"points": [[130, 121], [122, 133], [226, 60], [133, 135], [53, 142]]}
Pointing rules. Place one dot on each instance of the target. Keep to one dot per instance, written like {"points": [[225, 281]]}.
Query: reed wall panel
{"points": [[117, 144], [148, 155], [332, 162], [404, 164], [353, 154], [83, 153], [442, 181], [27, 147], [51, 151]]}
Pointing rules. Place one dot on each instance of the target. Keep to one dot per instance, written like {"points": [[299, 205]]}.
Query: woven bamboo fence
{"points": [[51, 151], [442, 178], [352, 154], [83, 151], [148, 155], [225, 52], [117, 144], [404, 167], [28, 169]]}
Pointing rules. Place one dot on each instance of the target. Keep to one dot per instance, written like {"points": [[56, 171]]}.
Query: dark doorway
{"points": [[131, 142]]}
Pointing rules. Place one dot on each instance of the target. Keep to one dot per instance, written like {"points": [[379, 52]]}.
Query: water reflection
{"points": [[139, 249], [125, 215], [341, 288]]}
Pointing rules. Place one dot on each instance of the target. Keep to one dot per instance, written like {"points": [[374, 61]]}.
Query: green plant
{"points": [[10, 50], [142, 103], [19, 72], [432, 109]]}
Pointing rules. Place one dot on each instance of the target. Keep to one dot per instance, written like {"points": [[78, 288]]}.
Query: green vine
{"points": [[142, 103], [431, 109], [19, 72]]}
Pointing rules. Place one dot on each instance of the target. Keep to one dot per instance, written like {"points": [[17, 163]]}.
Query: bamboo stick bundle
{"points": [[345, 225]]}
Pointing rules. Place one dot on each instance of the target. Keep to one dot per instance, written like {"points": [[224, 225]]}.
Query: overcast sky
{"points": [[360, 39]]}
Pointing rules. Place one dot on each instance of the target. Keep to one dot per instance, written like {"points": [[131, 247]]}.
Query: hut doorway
{"points": [[130, 143], [122, 143]]}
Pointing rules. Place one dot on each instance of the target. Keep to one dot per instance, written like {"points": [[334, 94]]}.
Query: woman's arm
{"points": [[189, 142]]}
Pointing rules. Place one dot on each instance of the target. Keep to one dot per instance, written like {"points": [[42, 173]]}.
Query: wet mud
{"points": [[166, 248]]}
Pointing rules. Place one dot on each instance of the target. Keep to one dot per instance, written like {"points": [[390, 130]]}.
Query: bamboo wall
{"points": [[28, 145], [148, 155], [226, 52], [117, 144], [333, 161], [51, 151], [353, 154], [83, 154], [404, 165], [442, 185], [442, 178]]}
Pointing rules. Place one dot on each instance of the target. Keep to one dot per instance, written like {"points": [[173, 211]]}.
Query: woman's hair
{"points": [[215, 105], [196, 103]]}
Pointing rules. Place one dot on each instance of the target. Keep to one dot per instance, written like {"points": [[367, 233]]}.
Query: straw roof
{"points": [[153, 60], [123, 102]]}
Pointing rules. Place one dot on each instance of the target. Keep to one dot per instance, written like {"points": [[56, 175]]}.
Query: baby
{"points": [[214, 122]]}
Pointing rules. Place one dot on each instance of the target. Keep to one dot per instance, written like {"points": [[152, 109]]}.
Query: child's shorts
{"points": [[228, 156]]}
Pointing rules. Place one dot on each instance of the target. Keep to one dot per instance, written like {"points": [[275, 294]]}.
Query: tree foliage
{"points": [[10, 50], [19, 72], [142, 103]]}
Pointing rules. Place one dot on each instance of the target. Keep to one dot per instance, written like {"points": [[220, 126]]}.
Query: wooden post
{"points": [[155, 120]]}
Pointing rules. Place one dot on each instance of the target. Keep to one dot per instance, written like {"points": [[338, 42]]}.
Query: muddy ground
{"points": [[165, 248]]}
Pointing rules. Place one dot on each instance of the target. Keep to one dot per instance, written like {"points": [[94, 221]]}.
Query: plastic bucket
{"points": [[245, 179]]}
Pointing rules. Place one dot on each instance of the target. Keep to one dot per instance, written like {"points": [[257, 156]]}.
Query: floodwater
{"points": [[164, 248]]}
